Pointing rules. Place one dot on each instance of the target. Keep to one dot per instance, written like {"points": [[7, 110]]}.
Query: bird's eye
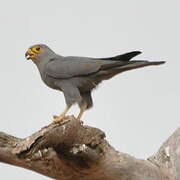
{"points": [[36, 49]]}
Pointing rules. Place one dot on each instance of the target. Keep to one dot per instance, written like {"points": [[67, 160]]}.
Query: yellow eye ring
{"points": [[37, 49]]}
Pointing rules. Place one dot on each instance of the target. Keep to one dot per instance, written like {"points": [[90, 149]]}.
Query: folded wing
{"points": [[67, 67]]}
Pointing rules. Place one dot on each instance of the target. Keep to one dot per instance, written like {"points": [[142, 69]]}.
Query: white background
{"points": [[138, 109]]}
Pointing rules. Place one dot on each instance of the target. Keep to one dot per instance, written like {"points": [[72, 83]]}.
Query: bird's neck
{"points": [[41, 65]]}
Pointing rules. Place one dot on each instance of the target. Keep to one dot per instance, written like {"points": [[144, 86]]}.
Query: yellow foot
{"points": [[58, 119]]}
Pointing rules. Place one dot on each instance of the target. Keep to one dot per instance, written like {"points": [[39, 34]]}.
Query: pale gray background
{"points": [[138, 109]]}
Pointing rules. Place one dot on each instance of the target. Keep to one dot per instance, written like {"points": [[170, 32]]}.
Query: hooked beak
{"points": [[30, 54], [27, 56]]}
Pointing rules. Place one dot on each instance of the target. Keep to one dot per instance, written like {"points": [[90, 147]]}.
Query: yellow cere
{"points": [[34, 51]]}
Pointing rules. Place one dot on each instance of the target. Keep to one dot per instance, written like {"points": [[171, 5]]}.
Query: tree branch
{"points": [[72, 151]]}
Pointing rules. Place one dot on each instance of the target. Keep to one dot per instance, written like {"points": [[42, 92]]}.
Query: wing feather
{"points": [[67, 68], [123, 57]]}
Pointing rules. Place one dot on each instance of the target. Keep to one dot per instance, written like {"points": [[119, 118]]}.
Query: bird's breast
{"points": [[50, 82]]}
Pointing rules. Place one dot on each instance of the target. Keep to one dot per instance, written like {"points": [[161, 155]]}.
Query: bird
{"points": [[77, 76]]}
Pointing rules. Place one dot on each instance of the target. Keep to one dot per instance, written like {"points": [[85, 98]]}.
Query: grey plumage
{"points": [[76, 77]]}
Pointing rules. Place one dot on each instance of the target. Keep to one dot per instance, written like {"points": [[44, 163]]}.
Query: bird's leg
{"points": [[60, 118], [82, 109]]}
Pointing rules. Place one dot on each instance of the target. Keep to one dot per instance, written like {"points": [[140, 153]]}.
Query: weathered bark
{"points": [[72, 151]]}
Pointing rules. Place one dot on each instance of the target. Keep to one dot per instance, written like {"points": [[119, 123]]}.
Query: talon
{"points": [[55, 117], [58, 119]]}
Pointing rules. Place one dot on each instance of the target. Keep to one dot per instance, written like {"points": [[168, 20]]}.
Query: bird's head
{"points": [[39, 52]]}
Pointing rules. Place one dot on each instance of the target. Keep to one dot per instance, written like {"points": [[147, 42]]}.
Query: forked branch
{"points": [[72, 151]]}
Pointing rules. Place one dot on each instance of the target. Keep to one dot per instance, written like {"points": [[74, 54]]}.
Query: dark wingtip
{"points": [[136, 53], [132, 54], [123, 57], [128, 56]]}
